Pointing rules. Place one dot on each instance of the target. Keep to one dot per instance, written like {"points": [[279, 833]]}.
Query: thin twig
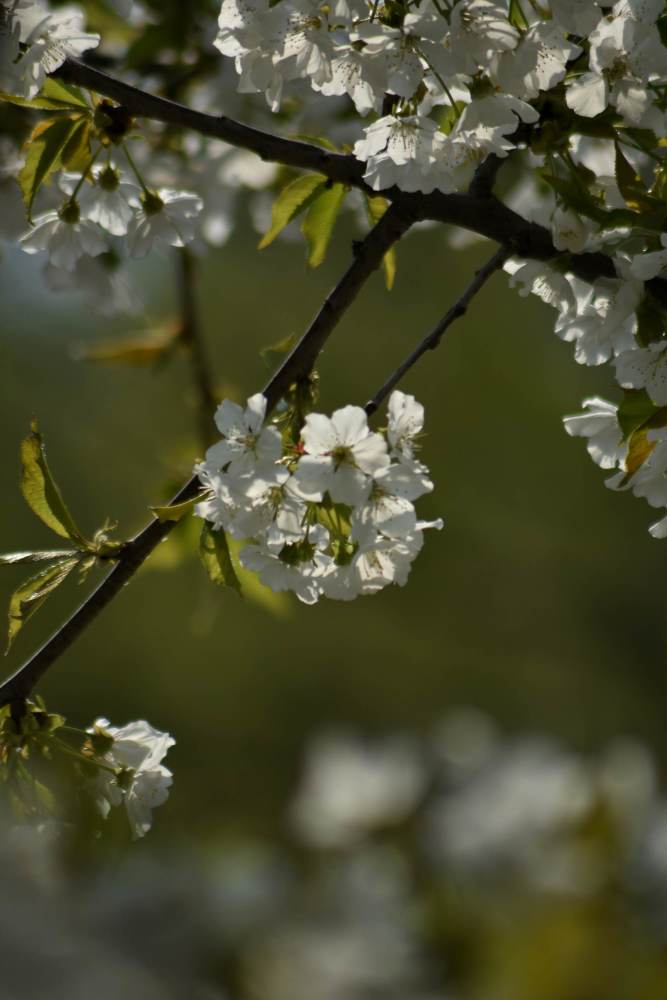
{"points": [[430, 342], [191, 337], [367, 258]]}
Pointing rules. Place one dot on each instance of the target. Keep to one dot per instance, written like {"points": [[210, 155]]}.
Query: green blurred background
{"points": [[541, 602]]}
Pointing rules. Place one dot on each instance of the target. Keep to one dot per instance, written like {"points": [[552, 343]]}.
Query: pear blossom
{"points": [[479, 30], [354, 74], [645, 368], [487, 122], [101, 279], [537, 63], [649, 265], [333, 516], [349, 788], [599, 423], [340, 456], [50, 37], [110, 200], [142, 781], [401, 151], [604, 322], [65, 236], [297, 566], [405, 423], [624, 54], [166, 216], [246, 444]]}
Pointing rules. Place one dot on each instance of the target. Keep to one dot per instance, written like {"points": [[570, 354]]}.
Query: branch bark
{"points": [[368, 256], [477, 211], [191, 337], [430, 342]]}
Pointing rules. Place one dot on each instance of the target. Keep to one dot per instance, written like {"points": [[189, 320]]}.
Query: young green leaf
{"points": [[76, 154], [292, 200], [636, 410], [65, 93], [16, 558], [375, 209], [41, 492], [44, 151], [33, 592], [275, 354], [316, 140], [178, 510], [318, 225], [215, 555], [517, 16]]}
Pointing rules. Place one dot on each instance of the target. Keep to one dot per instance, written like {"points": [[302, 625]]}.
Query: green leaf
{"points": [[275, 354], [55, 96], [317, 140], [637, 407], [76, 154], [41, 492], [178, 510], [56, 90], [375, 209], [292, 200], [320, 220], [16, 558], [33, 592], [517, 18], [576, 196], [44, 151], [215, 555]]}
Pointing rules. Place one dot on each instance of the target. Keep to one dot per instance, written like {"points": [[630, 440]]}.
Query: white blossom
{"points": [[110, 200], [65, 237], [599, 423], [645, 368], [50, 38], [166, 216], [143, 782], [340, 456]]}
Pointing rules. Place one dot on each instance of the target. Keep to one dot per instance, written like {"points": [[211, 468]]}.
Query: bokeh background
{"points": [[540, 604]]}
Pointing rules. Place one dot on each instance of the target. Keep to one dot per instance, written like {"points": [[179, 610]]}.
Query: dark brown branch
{"points": [[191, 338], [368, 256], [477, 211], [430, 342]]}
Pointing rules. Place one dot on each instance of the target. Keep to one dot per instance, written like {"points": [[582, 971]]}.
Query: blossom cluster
{"points": [[108, 765], [110, 204], [479, 59], [573, 92], [331, 514]]}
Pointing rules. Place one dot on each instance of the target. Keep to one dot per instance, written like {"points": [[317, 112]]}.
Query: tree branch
{"points": [[430, 342], [191, 338], [477, 211], [368, 256]]}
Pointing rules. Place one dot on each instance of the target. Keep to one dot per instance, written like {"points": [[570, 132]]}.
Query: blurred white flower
{"points": [[350, 788]]}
